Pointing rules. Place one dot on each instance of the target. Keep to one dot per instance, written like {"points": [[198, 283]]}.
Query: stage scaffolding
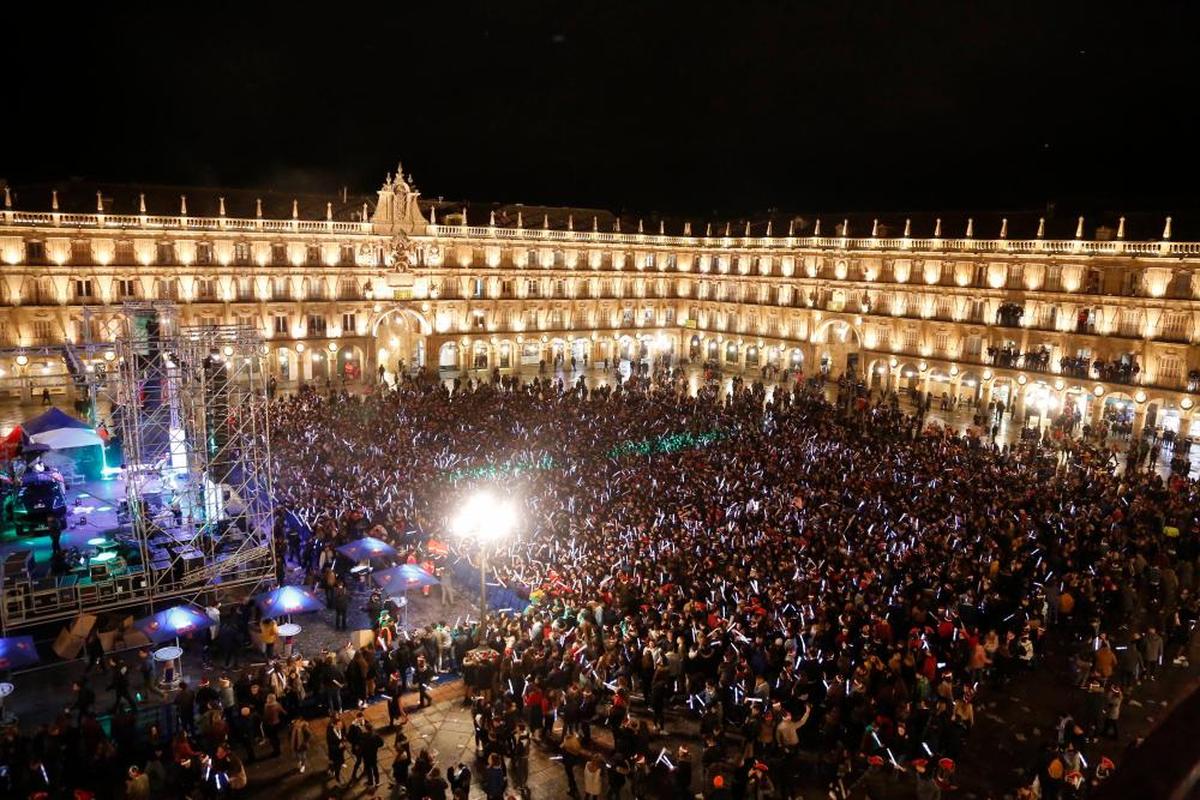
{"points": [[190, 406]]}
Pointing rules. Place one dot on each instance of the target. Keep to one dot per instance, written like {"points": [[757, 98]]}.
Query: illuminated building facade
{"points": [[345, 285]]}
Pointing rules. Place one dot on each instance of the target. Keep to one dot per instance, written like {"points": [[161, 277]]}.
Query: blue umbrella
{"points": [[403, 578], [172, 623], [367, 547], [17, 651], [287, 600]]}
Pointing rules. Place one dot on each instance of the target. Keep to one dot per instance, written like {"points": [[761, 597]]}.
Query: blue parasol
{"points": [[367, 547], [287, 600], [172, 623], [403, 578], [17, 651]]}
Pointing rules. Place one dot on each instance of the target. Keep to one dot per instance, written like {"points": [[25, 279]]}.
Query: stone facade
{"points": [[1023, 320]]}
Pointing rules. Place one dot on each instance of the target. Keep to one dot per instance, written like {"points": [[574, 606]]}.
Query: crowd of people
{"points": [[828, 569], [811, 591]]}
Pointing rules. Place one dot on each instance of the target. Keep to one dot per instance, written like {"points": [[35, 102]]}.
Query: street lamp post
{"points": [[485, 519]]}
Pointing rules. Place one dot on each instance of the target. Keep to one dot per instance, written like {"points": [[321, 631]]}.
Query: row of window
{"points": [[1121, 281], [1129, 322], [203, 254], [243, 290], [824, 297], [315, 325], [1117, 280]]}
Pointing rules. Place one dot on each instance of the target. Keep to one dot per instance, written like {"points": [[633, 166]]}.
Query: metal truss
{"points": [[190, 405], [197, 457]]}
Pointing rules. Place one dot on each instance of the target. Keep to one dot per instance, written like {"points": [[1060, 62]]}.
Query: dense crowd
{"points": [[816, 581], [823, 587]]}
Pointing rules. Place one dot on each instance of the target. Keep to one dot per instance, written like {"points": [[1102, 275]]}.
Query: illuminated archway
{"points": [[842, 342], [399, 335]]}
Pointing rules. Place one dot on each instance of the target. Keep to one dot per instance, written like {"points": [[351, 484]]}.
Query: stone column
{"points": [[1017, 401], [1096, 411], [1139, 421]]}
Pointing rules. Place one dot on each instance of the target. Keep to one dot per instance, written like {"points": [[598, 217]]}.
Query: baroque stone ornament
{"points": [[400, 253]]}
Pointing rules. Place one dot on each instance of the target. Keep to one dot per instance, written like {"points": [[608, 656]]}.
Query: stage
{"points": [[91, 514], [107, 568]]}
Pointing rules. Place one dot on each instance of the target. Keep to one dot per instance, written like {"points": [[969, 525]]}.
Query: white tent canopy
{"points": [[67, 438], [60, 431]]}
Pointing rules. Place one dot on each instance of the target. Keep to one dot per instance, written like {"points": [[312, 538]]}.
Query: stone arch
{"points": [[1005, 389], [286, 364], [1163, 412], [879, 373], [479, 354], [625, 347], [1118, 407], [970, 384], [842, 342], [412, 317], [910, 376], [506, 353], [1040, 399], [351, 362], [818, 333], [318, 363], [448, 355], [400, 336], [754, 355]]}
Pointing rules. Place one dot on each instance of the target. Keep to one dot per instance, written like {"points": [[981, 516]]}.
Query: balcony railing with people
{"points": [[1125, 370]]}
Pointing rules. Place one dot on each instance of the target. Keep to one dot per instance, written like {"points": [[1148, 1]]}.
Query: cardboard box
{"points": [[68, 646], [83, 625], [135, 638], [126, 623], [364, 638], [107, 640]]}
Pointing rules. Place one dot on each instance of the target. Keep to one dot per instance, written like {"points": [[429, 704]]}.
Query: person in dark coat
{"points": [[682, 775], [120, 685], [85, 698], [229, 642], [401, 760], [95, 653], [341, 605], [369, 746], [423, 675], [55, 536], [495, 782], [185, 707], [435, 785], [245, 731], [571, 752], [460, 781], [395, 701], [335, 744]]}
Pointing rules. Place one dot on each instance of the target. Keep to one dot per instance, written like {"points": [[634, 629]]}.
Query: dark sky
{"points": [[642, 106]]}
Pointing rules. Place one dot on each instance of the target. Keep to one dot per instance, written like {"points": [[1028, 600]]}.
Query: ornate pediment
{"points": [[398, 209]]}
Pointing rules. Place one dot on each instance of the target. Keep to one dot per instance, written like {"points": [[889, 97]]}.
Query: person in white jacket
{"points": [[593, 779]]}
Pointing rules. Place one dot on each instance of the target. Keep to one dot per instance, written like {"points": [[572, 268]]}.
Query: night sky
{"points": [[687, 108]]}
